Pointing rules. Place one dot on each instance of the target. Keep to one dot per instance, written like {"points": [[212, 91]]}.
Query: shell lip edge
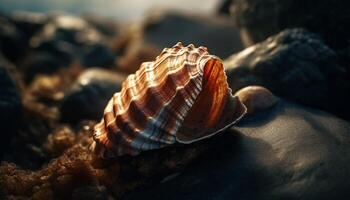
{"points": [[218, 131]]}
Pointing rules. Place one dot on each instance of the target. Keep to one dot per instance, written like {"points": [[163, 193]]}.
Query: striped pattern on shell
{"points": [[182, 96]]}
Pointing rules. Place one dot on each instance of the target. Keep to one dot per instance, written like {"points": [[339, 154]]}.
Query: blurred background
{"points": [[122, 10]]}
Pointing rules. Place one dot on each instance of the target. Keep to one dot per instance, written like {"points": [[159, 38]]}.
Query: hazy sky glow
{"points": [[121, 9]]}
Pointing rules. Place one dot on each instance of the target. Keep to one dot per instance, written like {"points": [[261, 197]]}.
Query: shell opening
{"points": [[215, 108]]}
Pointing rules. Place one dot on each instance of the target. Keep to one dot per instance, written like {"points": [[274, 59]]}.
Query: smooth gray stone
{"points": [[288, 152]]}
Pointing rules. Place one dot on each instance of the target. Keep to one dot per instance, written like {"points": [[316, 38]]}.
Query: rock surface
{"points": [[41, 63], [259, 19], [90, 94], [296, 65], [288, 152], [97, 55], [28, 22], [12, 42], [10, 105]]}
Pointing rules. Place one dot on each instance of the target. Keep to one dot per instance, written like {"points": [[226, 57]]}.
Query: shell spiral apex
{"points": [[182, 96]]}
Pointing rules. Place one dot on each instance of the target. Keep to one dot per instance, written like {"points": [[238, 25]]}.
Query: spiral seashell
{"points": [[182, 96]]}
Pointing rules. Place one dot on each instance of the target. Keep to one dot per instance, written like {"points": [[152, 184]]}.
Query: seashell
{"points": [[256, 98], [181, 97]]}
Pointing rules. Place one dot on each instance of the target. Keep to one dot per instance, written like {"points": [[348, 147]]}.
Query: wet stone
{"points": [[297, 65], [89, 95]]}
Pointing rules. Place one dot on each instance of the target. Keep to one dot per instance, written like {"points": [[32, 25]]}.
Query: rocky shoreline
{"points": [[58, 71]]}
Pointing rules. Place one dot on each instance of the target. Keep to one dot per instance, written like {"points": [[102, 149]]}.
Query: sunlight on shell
{"points": [[182, 96]]}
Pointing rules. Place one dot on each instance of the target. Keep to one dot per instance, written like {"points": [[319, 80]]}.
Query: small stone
{"points": [[256, 98], [89, 95]]}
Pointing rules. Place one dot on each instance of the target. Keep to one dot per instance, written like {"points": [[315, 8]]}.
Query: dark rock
{"points": [[28, 22], [288, 152], [217, 33], [10, 105], [89, 95], [260, 19], [12, 43], [61, 49], [41, 63], [97, 55], [344, 59], [294, 64]]}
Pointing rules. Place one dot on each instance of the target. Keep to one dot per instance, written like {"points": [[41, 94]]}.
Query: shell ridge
{"points": [[156, 123], [130, 122], [141, 71], [194, 96], [141, 93], [135, 100], [156, 120]]}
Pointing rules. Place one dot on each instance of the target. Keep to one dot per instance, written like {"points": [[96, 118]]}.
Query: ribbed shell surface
{"points": [[154, 102]]}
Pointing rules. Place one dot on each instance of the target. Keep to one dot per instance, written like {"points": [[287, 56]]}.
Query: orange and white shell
{"points": [[182, 96]]}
